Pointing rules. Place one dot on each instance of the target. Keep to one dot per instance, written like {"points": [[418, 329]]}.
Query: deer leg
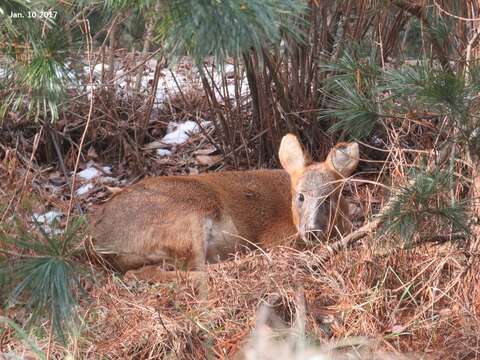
{"points": [[197, 276], [157, 274]]}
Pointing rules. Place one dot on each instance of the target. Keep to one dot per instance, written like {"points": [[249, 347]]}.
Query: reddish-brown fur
{"points": [[169, 213], [182, 222]]}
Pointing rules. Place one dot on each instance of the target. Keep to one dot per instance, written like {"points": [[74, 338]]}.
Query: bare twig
{"points": [[36, 141], [88, 37], [452, 15]]}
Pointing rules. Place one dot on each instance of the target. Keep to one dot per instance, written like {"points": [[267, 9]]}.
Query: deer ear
{"points": [[291, 155], [343, 158]]}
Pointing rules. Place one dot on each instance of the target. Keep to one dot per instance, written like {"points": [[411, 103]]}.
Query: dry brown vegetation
{"points": [[420, 299], [406, 301]]}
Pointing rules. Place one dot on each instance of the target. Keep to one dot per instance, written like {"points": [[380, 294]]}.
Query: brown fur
{"points": [[182, 222], [164, 219]]}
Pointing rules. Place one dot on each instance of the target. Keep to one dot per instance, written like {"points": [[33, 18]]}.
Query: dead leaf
{"points": [[154, 145], [208, 160], [207, 151], [92, 154]]}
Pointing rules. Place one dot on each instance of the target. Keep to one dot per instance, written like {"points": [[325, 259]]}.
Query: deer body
{"points": [[194, 219], [183, 222]]}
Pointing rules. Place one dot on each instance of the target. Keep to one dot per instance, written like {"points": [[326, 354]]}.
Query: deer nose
{"points": [[314, 221], [307, 230]]}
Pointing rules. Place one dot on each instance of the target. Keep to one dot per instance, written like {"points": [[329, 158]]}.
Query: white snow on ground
{"points": [[3, 73], [92, 175], [82, 190], [52, 231], [229, 70], [88, 89], [97, 69], [46, 218], [173, 81], [181, 133], [180, 78], [107, 169], [46, 221], [168, 87], [89, 173], [163, 152]]}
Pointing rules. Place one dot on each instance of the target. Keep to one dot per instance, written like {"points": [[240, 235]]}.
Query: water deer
{"points": [[184, 222]]}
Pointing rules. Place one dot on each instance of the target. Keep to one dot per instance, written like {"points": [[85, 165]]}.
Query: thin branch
{"points": [[442, 10], [89, 117]]}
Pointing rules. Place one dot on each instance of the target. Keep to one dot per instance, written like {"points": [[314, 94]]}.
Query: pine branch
{"points": [[418, 11]]}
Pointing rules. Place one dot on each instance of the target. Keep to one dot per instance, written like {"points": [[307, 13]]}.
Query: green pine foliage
{"points": [[351, 87], [44, 276], [362, 95], [428, 88], [202, 28], [422, 204], [35, 57], [39, 54]]}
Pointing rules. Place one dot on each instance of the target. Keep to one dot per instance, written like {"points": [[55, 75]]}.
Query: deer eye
{"points": [[300, 198]]}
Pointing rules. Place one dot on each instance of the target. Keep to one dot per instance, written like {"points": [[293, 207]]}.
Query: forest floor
{"points": [[374, 296]]}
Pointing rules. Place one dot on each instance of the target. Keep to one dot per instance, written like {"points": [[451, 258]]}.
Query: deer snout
{"points": [[314, 221]]}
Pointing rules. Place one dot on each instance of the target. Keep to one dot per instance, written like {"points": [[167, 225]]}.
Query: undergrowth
{"points": [[40, 270]]}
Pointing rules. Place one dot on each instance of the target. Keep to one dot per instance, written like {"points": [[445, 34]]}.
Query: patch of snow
{"points": [[46, 218], [3, 73], [82, 190], [89, 89], [160, 95], [146, 81], [229, 69], [51, 231], [119, 73], [89, 173], [107, 169], [163, 152], [151, 64], [97, 69], [172, 81], [181, 133]]}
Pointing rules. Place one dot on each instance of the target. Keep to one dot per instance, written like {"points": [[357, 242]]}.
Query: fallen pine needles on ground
{"points": [[403, 301]]}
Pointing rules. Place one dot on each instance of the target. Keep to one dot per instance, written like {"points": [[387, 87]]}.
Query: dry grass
{"points": [[408, 301], [424, 301]]}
